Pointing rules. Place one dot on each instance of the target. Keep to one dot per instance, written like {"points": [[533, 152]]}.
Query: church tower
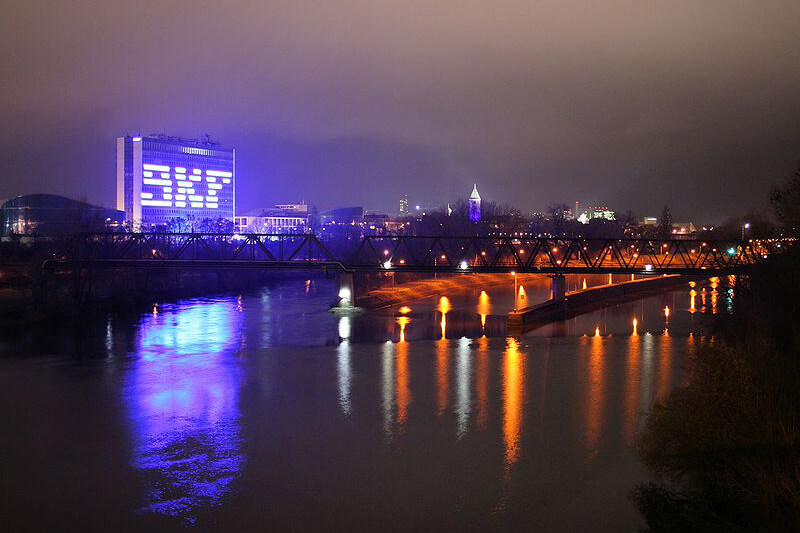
{"points": [[475, 204]]}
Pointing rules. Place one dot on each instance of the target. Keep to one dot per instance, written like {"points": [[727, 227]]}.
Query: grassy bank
{"points": [[725, 449]]}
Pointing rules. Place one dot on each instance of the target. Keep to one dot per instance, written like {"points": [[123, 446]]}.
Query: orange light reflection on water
{"points": [[595, 396], [513, 377], [402, 390], [484, 307], [632, 380], [482, 381]]}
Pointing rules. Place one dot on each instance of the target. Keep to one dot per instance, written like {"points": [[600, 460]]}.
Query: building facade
{"points": [[283, 218], [161, 178]]}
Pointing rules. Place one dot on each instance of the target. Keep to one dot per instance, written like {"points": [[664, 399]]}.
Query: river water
{"points": [[264, 411]]}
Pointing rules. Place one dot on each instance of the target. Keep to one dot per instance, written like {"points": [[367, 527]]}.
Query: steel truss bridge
{"points": [[561, 255]]}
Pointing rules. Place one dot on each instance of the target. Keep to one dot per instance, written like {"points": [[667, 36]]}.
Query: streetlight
{"points": [[745, 226]]}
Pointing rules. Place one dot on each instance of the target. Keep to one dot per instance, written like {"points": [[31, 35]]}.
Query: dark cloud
{"points": [[630, 103]]}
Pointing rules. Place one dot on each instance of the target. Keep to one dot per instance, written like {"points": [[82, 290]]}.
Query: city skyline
{"points": [[625, 105]]}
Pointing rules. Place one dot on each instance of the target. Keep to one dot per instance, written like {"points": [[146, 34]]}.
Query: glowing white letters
{"points": [[149, 181], [159, 168]]}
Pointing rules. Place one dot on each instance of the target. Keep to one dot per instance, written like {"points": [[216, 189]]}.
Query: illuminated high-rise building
{"points": [[404, 205], [475, 204], [160, 178]]}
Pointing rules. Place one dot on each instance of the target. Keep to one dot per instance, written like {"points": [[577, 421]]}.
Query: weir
{"points": [[566, 304]]}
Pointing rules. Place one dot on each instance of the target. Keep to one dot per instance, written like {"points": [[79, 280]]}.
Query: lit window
{"points": [[212, 199], [209, 178], [165, 175], [195, 171], [147, 195], [147, 174], [167, 189], [180, 204], [180, 197], [181, 189], [167, 197], [226, 180], [212, 192], [195, 198], [180, 176], [214, 186], [184, 184], [212, 206], [195, 178], [197, 204], [157, 203], [180, 169]]}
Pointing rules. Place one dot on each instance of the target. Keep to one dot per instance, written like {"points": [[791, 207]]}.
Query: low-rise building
{"points": [[283, 218]]}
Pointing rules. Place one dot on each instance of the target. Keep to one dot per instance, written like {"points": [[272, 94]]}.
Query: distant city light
{"points": [[463, 265], [387, 264]]}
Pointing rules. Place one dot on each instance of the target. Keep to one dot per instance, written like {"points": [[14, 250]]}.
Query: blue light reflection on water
{"points": [[182, 398]]}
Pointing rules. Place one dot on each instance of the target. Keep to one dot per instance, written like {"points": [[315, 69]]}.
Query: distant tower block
{"points": [[475, 204]]}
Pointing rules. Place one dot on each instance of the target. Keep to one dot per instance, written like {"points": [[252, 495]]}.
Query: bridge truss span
{"points": [[400, 253], [562, 254]]}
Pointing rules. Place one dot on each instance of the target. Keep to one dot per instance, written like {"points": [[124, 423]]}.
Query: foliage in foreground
{"points": [[725, 449]]}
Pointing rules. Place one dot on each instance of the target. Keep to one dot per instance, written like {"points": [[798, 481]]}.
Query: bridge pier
{"points": [[346, 294], [559, 287]]}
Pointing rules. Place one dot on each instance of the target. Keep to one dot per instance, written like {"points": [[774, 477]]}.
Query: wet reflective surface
{"points": [[264, 411]]}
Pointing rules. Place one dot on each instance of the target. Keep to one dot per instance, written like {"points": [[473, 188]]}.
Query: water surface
{"points": [[264, 410]]}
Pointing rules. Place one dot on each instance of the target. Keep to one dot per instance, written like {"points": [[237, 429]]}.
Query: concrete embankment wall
{"points": [[586, 300]]}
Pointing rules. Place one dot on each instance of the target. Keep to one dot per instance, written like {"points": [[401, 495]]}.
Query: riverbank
{"points": [[725, 448]]}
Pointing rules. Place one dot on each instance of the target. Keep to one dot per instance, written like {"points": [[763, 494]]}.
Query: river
{"points": [[264, 411]]}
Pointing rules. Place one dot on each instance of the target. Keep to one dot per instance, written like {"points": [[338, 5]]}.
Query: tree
{"points": [[628, 224], [178, 225], [665, 223], [785, 201], [558, 217]]}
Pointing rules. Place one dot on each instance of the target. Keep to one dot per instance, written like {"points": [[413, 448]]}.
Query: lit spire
{"points": [[475, 195]]}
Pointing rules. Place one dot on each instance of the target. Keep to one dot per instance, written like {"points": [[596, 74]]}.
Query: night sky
{"points": [[632, 104]]}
